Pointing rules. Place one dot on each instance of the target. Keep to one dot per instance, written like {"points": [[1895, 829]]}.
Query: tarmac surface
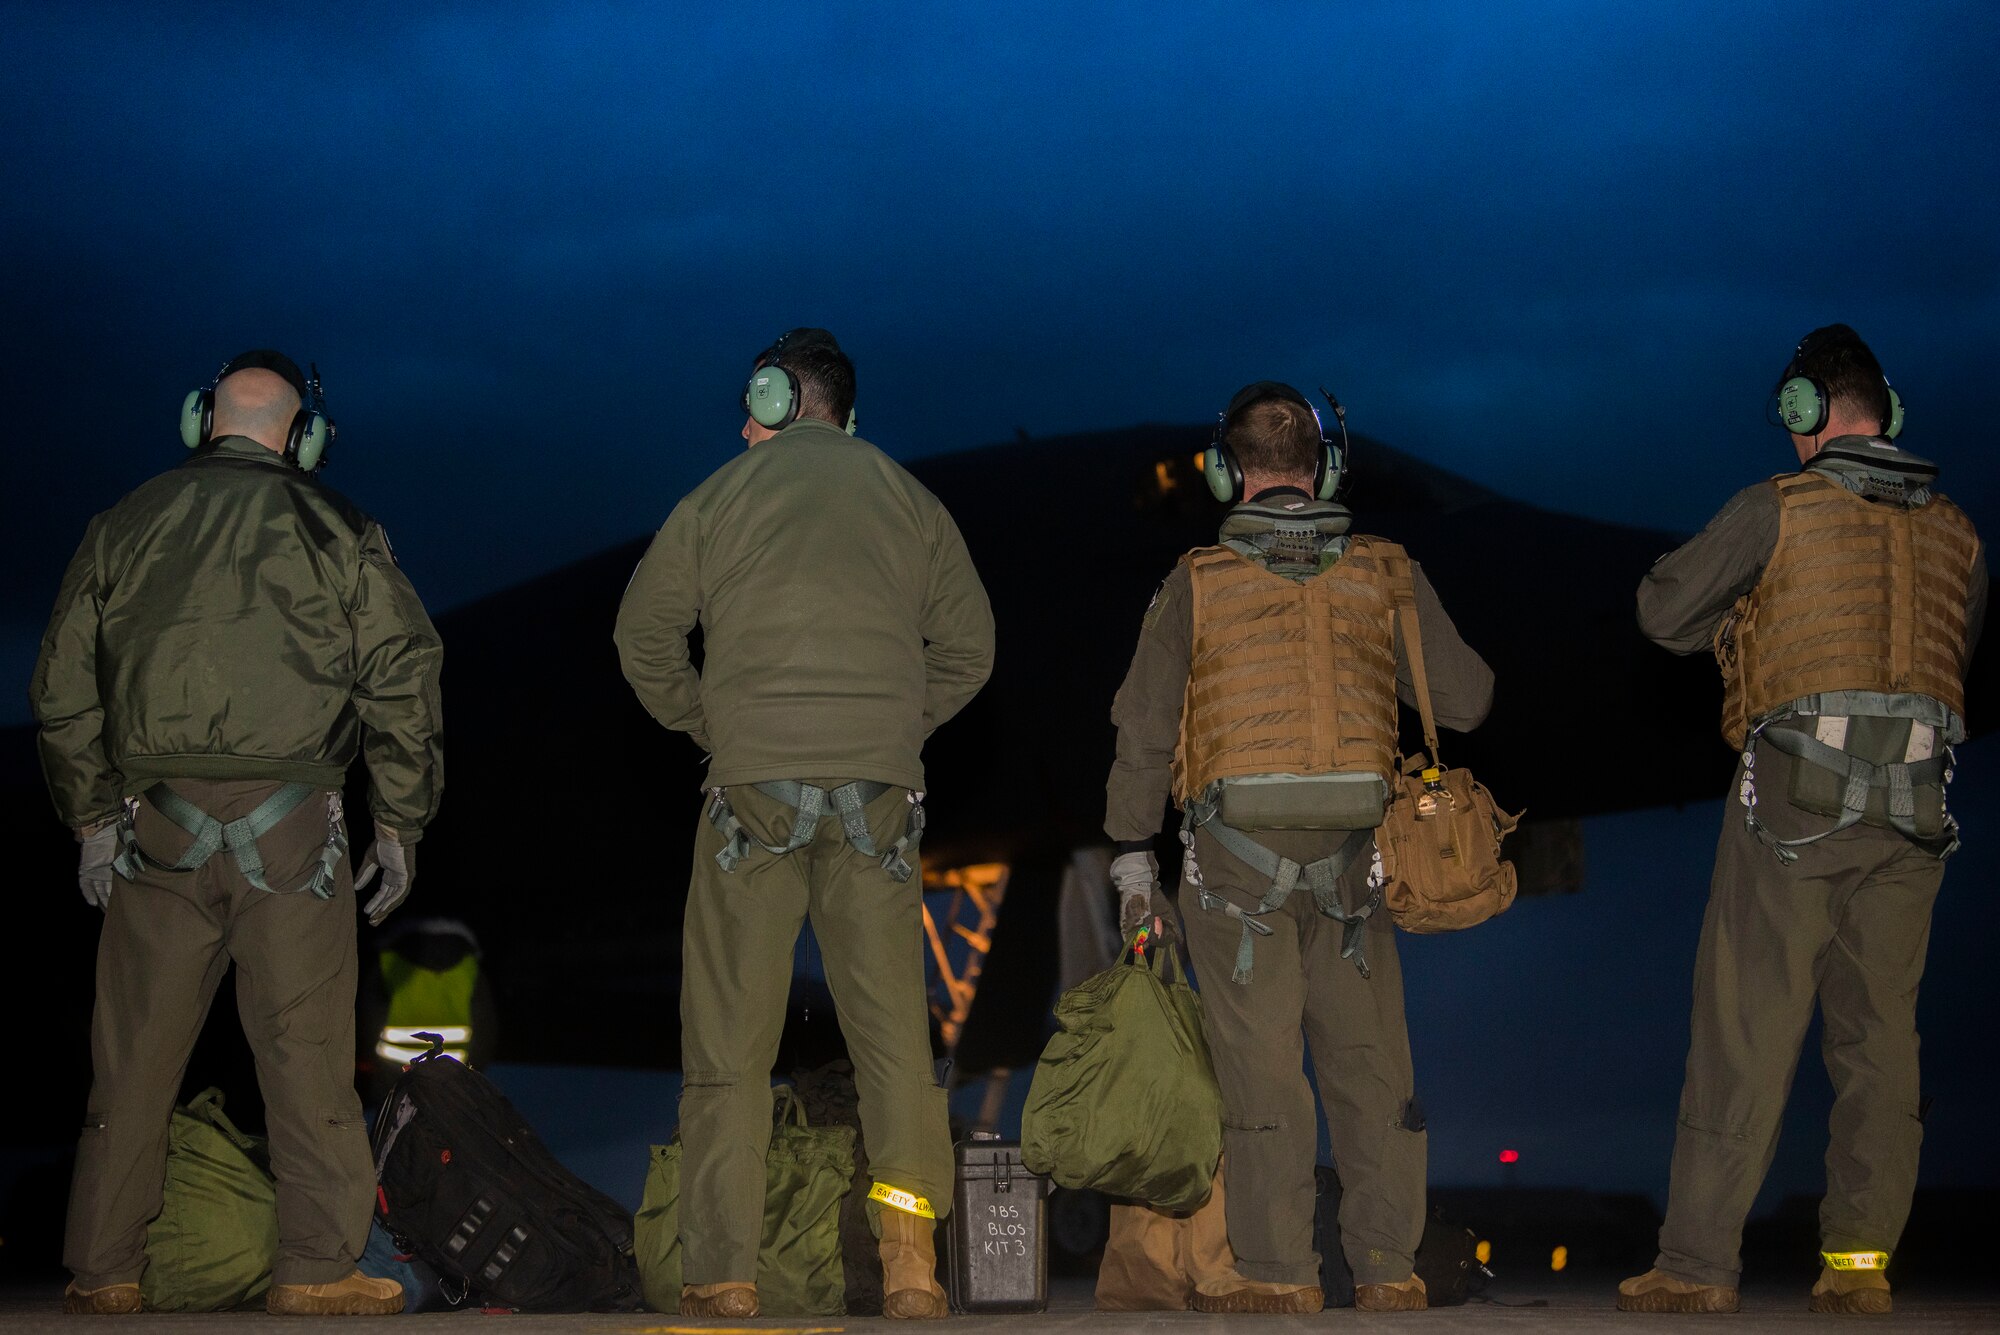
{"points": [[1584, 1303]]}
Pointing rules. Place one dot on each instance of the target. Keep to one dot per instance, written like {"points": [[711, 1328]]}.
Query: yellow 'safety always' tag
{"points": [[1856, 1260], [898, 1199]]}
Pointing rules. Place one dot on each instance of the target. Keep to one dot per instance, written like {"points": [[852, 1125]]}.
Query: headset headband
{"points": [[267, 359], [1258, 393], [1809, 344]]}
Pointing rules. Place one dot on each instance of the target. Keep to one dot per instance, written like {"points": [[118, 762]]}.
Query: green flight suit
{"points": [[1846, 926], [1301, 995], [168, 938], [842, 621], [230, 626]]}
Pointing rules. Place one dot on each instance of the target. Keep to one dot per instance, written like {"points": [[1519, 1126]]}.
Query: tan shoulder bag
{"points": [[1440, 837]]}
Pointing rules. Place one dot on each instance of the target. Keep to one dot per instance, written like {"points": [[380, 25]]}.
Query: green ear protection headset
{"points": [[1224, 474], [1800, 403], [311, 432], [772, 397]]}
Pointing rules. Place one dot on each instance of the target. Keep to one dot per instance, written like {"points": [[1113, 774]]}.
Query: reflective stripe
{"points": [[454, 1035], [1856, 1260], [403, 1045], [898, 1199], [402, 1056]]}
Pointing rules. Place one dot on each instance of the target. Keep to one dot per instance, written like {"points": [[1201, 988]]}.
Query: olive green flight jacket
{"points": [[841, 616], [233, 618], [1147, 709]]}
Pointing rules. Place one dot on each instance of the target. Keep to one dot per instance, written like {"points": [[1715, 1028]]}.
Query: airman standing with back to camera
{"points": [[1842, 602], [227, 639], [1263, 694], [842, 621]]}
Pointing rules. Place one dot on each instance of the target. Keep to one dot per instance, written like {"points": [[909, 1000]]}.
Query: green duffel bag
{"points": [[806, 1173], [216, 1237], [1124, 1099]]}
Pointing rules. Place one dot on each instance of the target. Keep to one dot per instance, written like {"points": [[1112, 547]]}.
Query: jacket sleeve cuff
{"points": [[96, 825]]}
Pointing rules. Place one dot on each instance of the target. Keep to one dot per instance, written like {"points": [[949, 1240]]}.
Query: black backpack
{"points": [[467, 1186]]}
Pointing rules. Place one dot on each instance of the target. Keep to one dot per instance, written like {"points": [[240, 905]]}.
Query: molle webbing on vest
{"points": [[1289, 676], [1858, 596]]}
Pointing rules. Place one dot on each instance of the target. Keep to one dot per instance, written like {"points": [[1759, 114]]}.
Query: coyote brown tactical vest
{"points": [[1288, 676], [1858, 596]]}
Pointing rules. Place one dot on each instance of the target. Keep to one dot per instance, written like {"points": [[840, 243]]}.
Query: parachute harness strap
{"points": [[239, 836], [1321, 877], [809, 803], [1900, 779]]}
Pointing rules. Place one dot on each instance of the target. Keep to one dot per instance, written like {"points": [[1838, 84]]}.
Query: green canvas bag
{"points": [[1124, 1099], [216, 1237], [806, 1174]]}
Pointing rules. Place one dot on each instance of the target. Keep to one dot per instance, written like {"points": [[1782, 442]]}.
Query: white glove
{"points": [[1137, 876], [93, 865], [396, 864]]}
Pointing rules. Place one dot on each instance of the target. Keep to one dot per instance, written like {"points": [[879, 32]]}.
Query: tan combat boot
{"points": [[357, 1295], [1256, 1296], [1850, 1292], [909, 1268], [1407, 1295], [735, 1299], [1657, 1291], [111, 1300]]}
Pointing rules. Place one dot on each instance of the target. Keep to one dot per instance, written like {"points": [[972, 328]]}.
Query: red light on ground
{"points": [[1510, 1156]]}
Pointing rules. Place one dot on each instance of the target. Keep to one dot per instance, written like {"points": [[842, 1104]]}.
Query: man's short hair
{"points": [[1274, 436], [1837, 358], [825, 375]]}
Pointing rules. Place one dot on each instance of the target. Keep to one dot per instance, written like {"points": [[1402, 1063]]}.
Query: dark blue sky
{"points": [[1560, 248]]}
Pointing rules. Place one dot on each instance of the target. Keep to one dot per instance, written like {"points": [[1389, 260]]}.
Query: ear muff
{"points": [[197, 413], [772, 397], [1802, 405], [306, 445], [1894, 427], [1222, 473], [1326, 478]]}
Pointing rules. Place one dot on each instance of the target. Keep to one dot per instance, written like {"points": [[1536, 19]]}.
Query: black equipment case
{"points": [[998, 1236]]}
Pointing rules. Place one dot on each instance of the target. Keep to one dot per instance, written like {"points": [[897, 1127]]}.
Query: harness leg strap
{"points": [[1862, 776], [809, 802], [1245, 951], [239, 836], [848, 804], [1323, 876]]}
